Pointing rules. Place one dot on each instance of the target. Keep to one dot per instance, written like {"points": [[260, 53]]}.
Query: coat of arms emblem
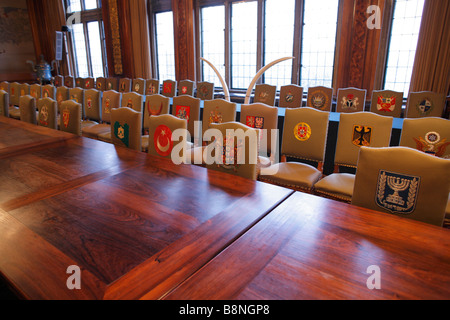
{"points": [[362, 135], [397, 192]]}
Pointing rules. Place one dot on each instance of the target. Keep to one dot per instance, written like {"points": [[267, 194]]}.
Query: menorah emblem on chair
{"points": [[398, 185]]}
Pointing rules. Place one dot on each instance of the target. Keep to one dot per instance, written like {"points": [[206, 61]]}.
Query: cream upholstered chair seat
{"points": [[294, 175], [355, 130], [304, 138], [404, 182]]}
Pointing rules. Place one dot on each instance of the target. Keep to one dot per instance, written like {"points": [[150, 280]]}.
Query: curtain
{"points": [[140, 39], [431, 71]]}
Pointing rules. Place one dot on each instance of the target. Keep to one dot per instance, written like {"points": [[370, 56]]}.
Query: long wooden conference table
{"points": [[140, 227]]}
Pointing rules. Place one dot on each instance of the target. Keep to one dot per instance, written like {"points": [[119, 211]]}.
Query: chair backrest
{"points": [[186, 87], [24, 89], [14, 93], [27, 107], [69, 82], [92, 104], [169, 88], [261, 116], [79, 83], [70, 112], [100, 84], [387, 103], [360, 129], [4, 85], [112, 84], [62, 94], [124, 85], [36, 91], [152, 86], [205, 90], [350, 100], [265, 93], [305, 134], [187, 107], [77, 95], [59, 81], [47, 113], [126, 128], [425, 104], [403, 181], [111, 100], [133, 100], [138, 85], [155, 105], [160, 132], [89, 83], [238, 149], [291, 96], [49, 91], [217, 111], [430, 135], [320, 98], [4, 103]]}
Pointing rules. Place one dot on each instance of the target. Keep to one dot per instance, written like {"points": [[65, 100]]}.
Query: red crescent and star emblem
{"points": [[163, 140]]}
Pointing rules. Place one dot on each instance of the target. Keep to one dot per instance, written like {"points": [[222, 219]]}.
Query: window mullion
{"points": [[88, 49], [260, 39]]}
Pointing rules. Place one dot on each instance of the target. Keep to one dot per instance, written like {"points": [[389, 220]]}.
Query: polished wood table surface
{"points": [[314, 248], [134, 224]]}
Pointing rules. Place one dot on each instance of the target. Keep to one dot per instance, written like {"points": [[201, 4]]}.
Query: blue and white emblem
{"points": [[397, 192]]}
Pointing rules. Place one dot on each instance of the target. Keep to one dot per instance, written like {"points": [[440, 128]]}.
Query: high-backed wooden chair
{"points": [[186, 87], [151, 86], [69, 82], [320, 98], [237, 152], [291, 96], [187, 107], [77, 95], [89, 83], [161, 128], [4, 85], [79, 83], [169, 88], [70, 112], [49, 91], [126, 128], [425, 104], [24, 89], [100, 84], [404, 182], [92, 108], [133, 100], [265, 93], [112, 84], [387, 103], [47, 113], [36, 91], [124, 85], [138, 86], [430, 135], [4, 103], [27, 108], [110, 100], [62, 94], [58, 81], [264, 118], [155, 105], [304, 138], [14, 97], [214, 111], [205, 90], [350, 100], [356, 129]]}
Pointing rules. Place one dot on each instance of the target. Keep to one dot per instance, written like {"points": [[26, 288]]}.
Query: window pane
{"points": [[73, 6], [403, 43], [90, 4], [165, 45], [213, 42], [80, 50], [243, 45], [96, 50], [279, 40], [318, 42]]}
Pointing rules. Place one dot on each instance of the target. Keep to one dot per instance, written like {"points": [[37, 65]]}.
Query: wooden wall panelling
{"points": [[183, 14]]}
